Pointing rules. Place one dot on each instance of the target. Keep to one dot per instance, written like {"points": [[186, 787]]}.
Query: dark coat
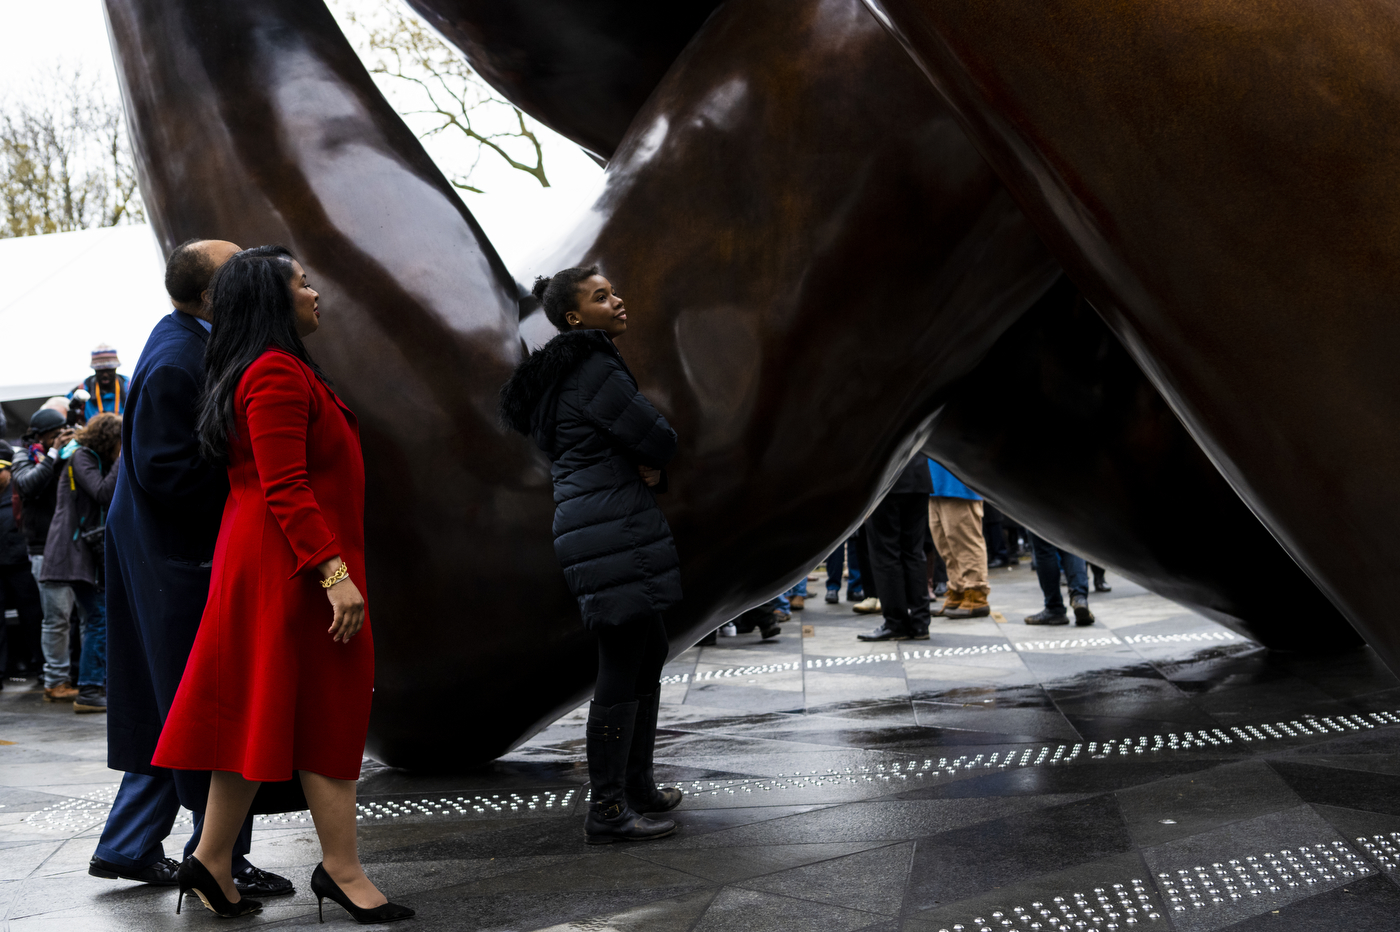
{"points": [[914, 478], [161, 531], [36, 478], [13, 548], [577, 399], [85, 484]]}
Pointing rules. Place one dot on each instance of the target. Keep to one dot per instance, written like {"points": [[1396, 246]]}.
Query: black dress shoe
{"points": [[884, 633], [1047, 617], [1101, 586], [160, 874], [252, 881]]}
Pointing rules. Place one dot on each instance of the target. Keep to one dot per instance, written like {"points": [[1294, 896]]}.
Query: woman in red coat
{"points": [[269, 688]]}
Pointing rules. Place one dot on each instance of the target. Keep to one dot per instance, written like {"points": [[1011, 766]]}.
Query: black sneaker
{"points": [[855, 595], [159, 874], [1047, 617], [884, 633], [1082, 616], [90, 699], [255, 882], [770, 628]]}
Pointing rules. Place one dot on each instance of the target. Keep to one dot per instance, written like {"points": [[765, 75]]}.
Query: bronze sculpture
{"points": [[1217, 178], [799, 320]]}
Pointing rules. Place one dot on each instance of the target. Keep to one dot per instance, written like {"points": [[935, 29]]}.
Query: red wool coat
{"points": [[266, 691]]}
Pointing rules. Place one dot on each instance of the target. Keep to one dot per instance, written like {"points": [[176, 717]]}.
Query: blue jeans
{"points": [[56, 600], [1049, 560], [141, 818], [785, 600], [844, 552], [92, 665]]}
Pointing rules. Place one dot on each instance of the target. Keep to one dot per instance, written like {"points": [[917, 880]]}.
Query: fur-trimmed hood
{"points": [[538, 374]]}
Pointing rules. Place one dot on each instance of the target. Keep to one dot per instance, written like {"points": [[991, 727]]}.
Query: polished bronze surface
{"points": [[255, 122], [813, 252], [810, 249], [1062, 430], [1219, 179], [582, 67]]}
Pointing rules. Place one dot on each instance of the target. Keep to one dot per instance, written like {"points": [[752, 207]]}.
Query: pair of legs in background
{"points": [[894, 535], [57, 601], [1049, 562], [956, 524], [621, 734]]}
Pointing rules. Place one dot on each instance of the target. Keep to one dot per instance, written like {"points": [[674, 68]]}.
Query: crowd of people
{"points": [[191, 520], [925, 552], [56, 487], [187, 522]]}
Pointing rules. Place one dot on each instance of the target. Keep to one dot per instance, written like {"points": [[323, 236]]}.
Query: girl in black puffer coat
{"points": [[576, 398]]}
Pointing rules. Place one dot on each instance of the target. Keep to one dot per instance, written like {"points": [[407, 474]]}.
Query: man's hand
{"points": [[651, 477], [63, 437], [4, 482]]}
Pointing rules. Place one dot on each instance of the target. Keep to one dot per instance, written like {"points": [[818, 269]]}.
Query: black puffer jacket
{"points": [[577, 399]]}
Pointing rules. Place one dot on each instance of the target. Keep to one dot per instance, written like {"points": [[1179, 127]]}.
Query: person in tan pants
{"points": [[955, 518]]}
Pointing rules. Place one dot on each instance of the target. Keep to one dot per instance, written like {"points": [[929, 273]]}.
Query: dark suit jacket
{"points": [[161, 531]]}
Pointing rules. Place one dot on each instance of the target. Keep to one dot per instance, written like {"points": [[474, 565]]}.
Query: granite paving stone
{"points": [[1109, 777]]}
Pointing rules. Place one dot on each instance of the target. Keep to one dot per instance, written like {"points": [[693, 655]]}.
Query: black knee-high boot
{"points": [[643, 795], [609, 740]]}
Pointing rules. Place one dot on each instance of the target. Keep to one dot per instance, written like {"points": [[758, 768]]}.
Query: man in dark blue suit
{"points": [[161, 530]]}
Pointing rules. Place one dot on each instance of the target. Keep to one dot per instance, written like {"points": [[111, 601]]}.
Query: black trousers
{"points": [[630, 658], [994, 534], [19, 644], [895, 536]]}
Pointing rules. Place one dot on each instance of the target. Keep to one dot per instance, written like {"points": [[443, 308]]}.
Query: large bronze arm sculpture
{"points": [[814, 250], [1221, 180], [1061, 428]]}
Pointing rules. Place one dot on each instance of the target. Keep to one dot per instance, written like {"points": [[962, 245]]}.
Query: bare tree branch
{"points": [[449, 97], [65, 163]]}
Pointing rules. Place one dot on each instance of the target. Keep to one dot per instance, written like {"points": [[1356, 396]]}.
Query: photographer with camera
{"points": [[73, 553], [36, 470]]}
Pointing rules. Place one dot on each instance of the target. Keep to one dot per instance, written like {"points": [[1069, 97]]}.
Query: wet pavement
{"points": [[1153, 771]]}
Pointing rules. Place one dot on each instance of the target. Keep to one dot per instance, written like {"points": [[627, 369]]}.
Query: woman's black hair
{"points": [[559, 293], [250, 298]]}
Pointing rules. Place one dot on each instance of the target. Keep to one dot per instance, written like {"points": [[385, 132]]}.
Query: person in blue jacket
{"points": [[161, 529]]}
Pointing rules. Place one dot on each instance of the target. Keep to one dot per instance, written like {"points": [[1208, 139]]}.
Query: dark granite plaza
{"points": [[1154, 771]]}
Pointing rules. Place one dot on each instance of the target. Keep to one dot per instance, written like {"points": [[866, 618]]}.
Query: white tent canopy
{"points": [[63, 294]]}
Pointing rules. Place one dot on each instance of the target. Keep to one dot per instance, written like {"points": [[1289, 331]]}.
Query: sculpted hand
{"points": [[347, 605], [650, 476]]}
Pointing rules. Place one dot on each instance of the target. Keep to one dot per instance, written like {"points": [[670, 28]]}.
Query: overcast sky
{"points": [[520, 217]]}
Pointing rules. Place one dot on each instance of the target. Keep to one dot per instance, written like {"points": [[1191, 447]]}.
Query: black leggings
{"points": [[630, 658]]}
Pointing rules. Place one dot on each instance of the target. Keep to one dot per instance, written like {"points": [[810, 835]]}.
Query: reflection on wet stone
{"points": [[978, 789]]}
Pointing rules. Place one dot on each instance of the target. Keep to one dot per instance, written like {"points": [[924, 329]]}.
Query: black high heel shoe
{"points": [[193, 875], [324, 887]]}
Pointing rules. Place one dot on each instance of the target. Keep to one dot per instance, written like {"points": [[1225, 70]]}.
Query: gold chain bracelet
{"points": [[341, 572]]}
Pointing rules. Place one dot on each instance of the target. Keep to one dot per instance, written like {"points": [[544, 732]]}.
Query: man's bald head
{"points": [[190, 267]]}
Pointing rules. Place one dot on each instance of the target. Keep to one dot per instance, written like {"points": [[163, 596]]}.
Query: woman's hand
{"points": [[347, 605], [650, 476]]}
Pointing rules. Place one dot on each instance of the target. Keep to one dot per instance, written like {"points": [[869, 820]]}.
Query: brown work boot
{"points": [[952, 600], [798, 603], [63, 692], [973, 605]]}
